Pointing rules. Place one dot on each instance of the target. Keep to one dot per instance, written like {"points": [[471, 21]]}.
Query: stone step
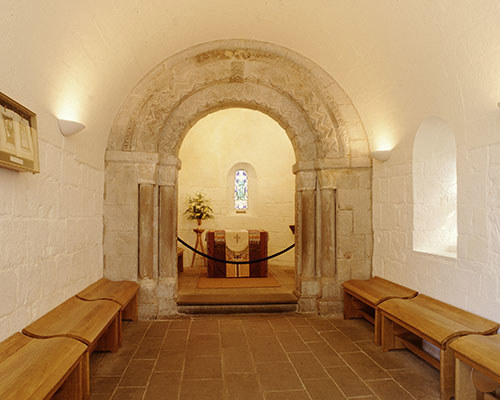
{"points": [[236, 303], [236, 308]]}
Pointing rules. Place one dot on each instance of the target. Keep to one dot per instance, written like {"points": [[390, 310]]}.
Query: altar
{"points": [[241, 245]]}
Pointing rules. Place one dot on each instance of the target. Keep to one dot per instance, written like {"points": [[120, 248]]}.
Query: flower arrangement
{"points": [[198, 208]]}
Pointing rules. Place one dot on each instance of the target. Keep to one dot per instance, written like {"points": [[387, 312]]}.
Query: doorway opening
{"points": [[241, 161]]}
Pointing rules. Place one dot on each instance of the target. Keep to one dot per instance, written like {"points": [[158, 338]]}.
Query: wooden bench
{"points": [[362, 298], [477, 366], [41, 368], [94, 323], [406, 323], [123, 293]]}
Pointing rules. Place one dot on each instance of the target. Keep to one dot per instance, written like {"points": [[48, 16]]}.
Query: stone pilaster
{"points": [[329, 301], [146, 231], [167, 270], [306, 240]]}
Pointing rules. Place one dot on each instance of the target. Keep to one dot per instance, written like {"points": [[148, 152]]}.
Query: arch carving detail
{"points": [[319, 118]]}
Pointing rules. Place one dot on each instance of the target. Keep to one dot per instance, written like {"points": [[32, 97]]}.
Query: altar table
{"points": [[237, 246]]}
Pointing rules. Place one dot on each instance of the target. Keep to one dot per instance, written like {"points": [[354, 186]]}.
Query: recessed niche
{"points": [[435, 189]]}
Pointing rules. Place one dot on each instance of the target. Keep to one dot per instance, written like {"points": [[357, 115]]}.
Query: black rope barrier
{"points": [[279, 253]]}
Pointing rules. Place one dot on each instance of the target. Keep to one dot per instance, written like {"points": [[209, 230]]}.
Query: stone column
{"points": [[146, 231], [167, 269], [306, 238], [329, 300]]}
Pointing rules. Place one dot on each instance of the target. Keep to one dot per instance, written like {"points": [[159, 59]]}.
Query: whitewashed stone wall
{"points": [[50, 235], [470, 281]]}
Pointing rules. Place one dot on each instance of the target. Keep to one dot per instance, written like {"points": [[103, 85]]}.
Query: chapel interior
{"points": [[349, 156]]}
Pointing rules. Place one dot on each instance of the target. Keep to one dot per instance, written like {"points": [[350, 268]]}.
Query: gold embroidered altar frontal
{"points": [[243, 245]]}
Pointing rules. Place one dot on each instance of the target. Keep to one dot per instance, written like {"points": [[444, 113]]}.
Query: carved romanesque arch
{"points": [[319, 118]]}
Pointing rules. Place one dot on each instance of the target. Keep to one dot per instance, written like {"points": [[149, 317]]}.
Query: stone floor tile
{"points": [[182, 323], [172, 360], [291, 341], [278, 376], [175, 340], [266, 349], [257, 327], [242, 387], [280, 324], [298, 320], [325, 354], [104, 384], [363, 366], [205, 327], [203, 368], [349, 383], [417, 384], [164, 386], [388, 389], [308, 334], [323, 389], [307, 366], [149, 348], [231, 326], [321, 324], [113, 364], [339, 342], [157, 329], [100, 396], [237, 360], [129, 394], [137, 373], [360, 332], [201, 390], [387, 360], [233, 339], [203, 346], [287, 395]]}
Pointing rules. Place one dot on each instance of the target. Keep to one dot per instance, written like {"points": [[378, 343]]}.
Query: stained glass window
{"points": [[241, 190]]}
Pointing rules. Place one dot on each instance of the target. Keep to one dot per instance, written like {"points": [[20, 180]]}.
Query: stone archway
{"points": [[333, 176]]}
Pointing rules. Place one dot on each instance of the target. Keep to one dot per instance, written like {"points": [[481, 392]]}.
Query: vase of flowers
{"points": [[198, 208]]}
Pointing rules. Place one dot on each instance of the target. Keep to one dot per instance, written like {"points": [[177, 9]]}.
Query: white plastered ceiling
{"points": [[399, 61]]}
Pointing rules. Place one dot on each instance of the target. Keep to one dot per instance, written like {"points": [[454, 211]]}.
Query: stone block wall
{"points": [[50, 235], [471, 280]]}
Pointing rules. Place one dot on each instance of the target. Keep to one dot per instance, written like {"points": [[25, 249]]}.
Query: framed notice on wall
{"points": [[18, 137]]}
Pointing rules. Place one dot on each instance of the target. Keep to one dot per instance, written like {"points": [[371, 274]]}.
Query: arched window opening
{"points": [[241, 190], [435, 189]]}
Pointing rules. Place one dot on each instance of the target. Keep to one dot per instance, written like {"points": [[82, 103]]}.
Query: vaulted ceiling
{"points": [[399, 60]]}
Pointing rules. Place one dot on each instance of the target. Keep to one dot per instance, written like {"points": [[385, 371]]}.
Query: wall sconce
{"points": [[381, 155], [69, 128]]}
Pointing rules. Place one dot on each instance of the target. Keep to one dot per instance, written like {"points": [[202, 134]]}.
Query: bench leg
{"points": [[109, 340], [388, 335], [378, 328], [447, 374], [130, 311], [72, 388], [464, 389], [352, 307]]}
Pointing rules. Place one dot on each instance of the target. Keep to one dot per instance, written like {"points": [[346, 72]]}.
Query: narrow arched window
{"points": [[240, 190]]}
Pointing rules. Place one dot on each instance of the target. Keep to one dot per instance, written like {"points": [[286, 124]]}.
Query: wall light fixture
{"points": [[69, 128]]}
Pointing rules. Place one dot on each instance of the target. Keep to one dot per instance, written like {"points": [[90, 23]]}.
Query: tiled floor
{"points": [[257, 357]]}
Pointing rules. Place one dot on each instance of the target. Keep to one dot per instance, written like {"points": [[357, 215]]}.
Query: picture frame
{"points": [[18, 137]]}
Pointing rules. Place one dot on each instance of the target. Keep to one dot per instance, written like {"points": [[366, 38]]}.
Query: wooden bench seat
{"points": [[41, 368], [94, 323], [406, 323], [123, 293], [477, 366], [362, 298]]}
